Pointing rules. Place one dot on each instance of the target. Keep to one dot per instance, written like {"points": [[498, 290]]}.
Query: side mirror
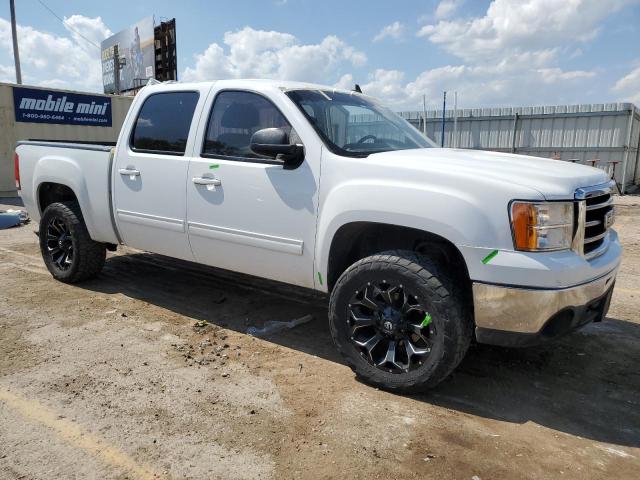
{"points": [[274, 143]]}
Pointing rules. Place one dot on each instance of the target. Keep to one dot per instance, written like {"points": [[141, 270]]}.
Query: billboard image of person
{"points": [[136, 46]]}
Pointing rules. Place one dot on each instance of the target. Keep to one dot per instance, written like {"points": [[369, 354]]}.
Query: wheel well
{"points": [[49, 193], [358, 240]]}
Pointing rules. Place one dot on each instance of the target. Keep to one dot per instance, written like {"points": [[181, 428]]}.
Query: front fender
{"points": [[451, 213]]}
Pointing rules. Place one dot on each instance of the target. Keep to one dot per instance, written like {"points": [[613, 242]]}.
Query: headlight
{"points": [[542, 226]]}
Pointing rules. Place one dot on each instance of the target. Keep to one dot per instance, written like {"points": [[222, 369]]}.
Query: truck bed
{"points": [[84, 167], [101, 146]]}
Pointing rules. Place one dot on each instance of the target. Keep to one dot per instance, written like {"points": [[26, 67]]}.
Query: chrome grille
{"points": [[595, 217]]}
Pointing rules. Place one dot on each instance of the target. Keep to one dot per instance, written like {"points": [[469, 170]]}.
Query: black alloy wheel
{"points": [[401, 320], [391, 328], [68, 251], [59, 243]]}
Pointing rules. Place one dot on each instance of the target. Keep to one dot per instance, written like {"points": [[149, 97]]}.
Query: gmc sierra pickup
{"points": [[419, 248]]}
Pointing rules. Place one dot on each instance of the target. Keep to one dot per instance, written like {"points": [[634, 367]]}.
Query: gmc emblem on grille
{"points": [[609, 219]]}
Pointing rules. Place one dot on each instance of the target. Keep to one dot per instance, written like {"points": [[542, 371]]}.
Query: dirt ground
{"points": [[147, 372]]}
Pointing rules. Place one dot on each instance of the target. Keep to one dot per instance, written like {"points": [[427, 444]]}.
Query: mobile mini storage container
{"points": [[34, 113]]}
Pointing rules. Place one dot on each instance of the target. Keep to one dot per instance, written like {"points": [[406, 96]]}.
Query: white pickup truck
{"points": [[419, 248]]}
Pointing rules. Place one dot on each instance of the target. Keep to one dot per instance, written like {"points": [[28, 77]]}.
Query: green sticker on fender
{"points": [[490, 257]]}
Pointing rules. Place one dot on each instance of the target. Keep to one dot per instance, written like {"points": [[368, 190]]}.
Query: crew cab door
{"points": [[151, 172], [246, 212]]}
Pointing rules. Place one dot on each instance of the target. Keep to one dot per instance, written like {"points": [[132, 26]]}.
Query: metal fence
{"points": [[602, 135]]}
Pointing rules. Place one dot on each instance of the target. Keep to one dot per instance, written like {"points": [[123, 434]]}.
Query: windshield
{"points": [[354, 125]]}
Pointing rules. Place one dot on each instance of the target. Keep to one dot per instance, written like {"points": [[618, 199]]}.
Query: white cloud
{"points": [[553, 75], [250, 53], [512, 54], [48, 59], [514, 25], [346, 82], [7, 74], [388, 85], [395, 31], [92, 29], [628, 87], [447, 8], [500, 64], [517, 80]]}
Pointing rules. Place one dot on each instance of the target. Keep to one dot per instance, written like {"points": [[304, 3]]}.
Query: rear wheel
{"points": [[67, 249], [401, 323]]}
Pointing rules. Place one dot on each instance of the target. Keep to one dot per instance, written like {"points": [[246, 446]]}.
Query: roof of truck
{"points": [[280, 84]]}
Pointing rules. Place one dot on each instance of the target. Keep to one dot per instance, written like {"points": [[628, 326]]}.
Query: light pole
{"points": [[14, 34]]}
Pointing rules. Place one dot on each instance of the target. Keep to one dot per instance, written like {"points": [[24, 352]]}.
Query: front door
{"points": [[246, 212], [151, 173]]}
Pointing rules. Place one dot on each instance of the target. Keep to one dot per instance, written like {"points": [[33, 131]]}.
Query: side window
{"points": [[234, 118], [163, 123]]}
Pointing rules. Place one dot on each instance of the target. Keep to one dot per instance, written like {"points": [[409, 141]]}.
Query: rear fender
{"points": [[93, 200]]}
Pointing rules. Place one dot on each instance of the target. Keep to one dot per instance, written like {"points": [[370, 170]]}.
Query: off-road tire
{"points": [[447, 302], [88, 255]]}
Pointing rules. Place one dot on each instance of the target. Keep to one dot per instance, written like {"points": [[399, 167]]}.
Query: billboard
{"points": [[49, 106], [136, 46]]}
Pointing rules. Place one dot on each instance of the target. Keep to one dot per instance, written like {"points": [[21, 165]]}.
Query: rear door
{"points": [[151, 172]]}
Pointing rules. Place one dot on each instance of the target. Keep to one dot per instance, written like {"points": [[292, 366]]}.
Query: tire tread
{"points": [[90, 254], [446, 292]]}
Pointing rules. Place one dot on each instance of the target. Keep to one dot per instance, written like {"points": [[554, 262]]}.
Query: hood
{"points": [[553, 179]]}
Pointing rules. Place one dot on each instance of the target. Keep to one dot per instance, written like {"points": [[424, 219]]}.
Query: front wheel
{"points": [[399, 321], [67, 249]]}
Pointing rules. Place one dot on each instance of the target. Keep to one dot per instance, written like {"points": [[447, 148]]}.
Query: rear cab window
{"points": [[163, 123]]}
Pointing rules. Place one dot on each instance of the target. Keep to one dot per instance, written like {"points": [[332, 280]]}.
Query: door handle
{"points": [[129, 171], [207, 181]]}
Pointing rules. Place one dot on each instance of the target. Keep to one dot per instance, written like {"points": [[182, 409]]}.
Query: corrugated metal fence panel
{"points": [[581, 133], [12, 131], [634, 150]]}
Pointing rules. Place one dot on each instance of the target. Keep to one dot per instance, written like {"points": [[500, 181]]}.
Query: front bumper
{"points": [[516, 316]]}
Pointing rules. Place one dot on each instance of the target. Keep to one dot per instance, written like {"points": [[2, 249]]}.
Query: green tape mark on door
{"points": [[214, 165]]}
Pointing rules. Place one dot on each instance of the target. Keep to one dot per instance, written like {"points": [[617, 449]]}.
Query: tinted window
{"points": [[163, 122], [235, 117]]}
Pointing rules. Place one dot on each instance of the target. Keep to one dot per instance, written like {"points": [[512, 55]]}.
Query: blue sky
{"points": [[501, 52]]}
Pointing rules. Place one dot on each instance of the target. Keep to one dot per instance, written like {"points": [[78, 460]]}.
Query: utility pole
{"points": [[14, 34], [444, 109]]}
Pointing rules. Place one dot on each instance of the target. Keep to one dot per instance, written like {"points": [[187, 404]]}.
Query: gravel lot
{"points": [[147, 372]]}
